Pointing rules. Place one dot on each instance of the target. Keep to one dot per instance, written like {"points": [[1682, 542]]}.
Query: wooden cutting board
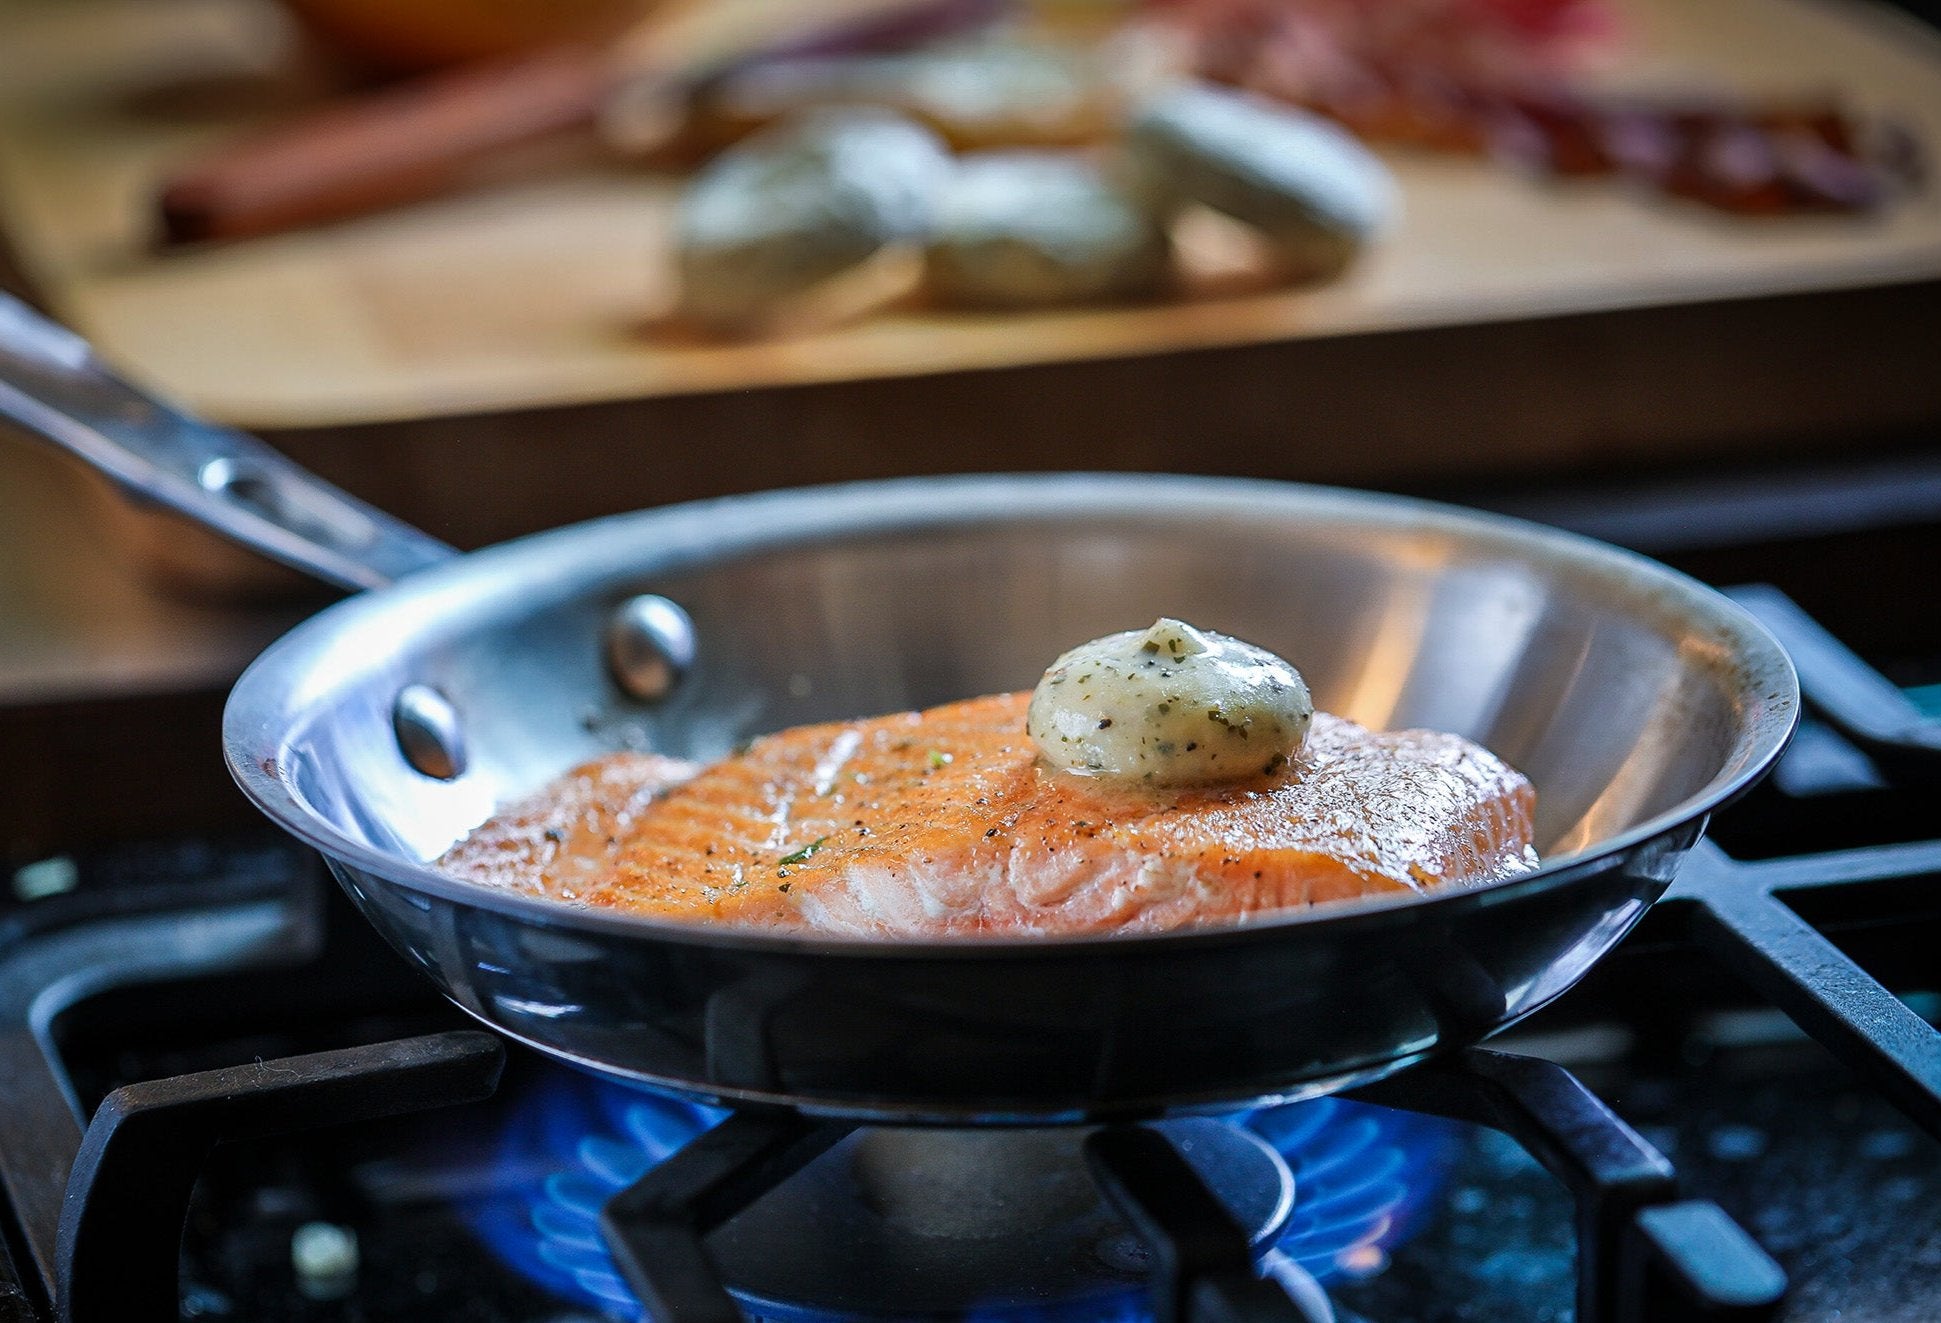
{"points": [[544, 292]]}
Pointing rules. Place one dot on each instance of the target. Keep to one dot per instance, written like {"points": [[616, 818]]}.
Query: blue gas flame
{"points": [[1363, 1176], [569, 1145]]}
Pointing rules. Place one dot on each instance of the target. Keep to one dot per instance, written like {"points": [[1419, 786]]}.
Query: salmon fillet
{"points": [[945, 822]]}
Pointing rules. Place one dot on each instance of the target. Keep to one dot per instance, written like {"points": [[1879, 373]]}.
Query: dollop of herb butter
{"points": [[1170, 705]]}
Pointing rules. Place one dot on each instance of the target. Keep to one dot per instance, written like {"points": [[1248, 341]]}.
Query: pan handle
{"points": [[53, 385]]}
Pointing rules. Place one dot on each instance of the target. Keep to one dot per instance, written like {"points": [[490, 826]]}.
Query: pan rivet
{"points": [[427, 728], [650, 646]]}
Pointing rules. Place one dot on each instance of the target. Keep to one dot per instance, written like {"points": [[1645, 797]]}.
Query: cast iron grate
{"points": [[98, 1216]]}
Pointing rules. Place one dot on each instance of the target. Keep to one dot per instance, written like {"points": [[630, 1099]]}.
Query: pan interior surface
{"points": [[1623, 691]]}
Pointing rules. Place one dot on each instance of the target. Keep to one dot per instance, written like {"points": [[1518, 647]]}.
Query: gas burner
{"points": [[922, 1223], [259, 1081]]}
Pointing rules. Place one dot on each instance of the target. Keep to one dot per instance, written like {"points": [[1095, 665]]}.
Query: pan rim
{"points": [[253, 728]]}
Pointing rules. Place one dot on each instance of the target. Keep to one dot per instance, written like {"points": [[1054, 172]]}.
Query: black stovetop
{"points": [[1644, 1144]]}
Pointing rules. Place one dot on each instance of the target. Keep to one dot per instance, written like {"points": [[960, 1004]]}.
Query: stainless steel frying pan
{"points": [[1637, 700]]}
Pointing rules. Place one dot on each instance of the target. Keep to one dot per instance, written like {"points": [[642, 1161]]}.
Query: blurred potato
{"points": [[976, 94]]}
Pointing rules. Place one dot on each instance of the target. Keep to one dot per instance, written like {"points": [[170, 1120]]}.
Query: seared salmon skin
{"points": [[945, 822]]}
